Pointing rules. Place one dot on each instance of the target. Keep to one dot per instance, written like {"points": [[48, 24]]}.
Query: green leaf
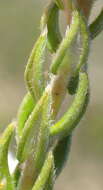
{"points": [[25, 110], [51, 19], [50, 182], [73, 84], [71, 118], [66, 43], [30, 130], [36, 153], [54, 36], [82, 65], [61, 153], [34, 74], [16, 175], [85, 45], [45, 172], [59, 4], [97, 26], [4, 146]]}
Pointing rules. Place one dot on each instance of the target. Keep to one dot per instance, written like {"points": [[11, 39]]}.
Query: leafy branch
{"points": [[43, 143]]}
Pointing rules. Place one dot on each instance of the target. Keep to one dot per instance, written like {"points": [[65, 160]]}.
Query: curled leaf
{"points": [[51, 19], [70, 119], [82, 65], [66, 43], [85, 45]]}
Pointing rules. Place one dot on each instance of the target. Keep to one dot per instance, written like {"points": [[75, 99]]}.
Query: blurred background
{"points": [[19, 28]]}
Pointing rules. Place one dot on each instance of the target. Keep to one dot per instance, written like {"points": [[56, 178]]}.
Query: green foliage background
{"points": [[19, 28]]}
